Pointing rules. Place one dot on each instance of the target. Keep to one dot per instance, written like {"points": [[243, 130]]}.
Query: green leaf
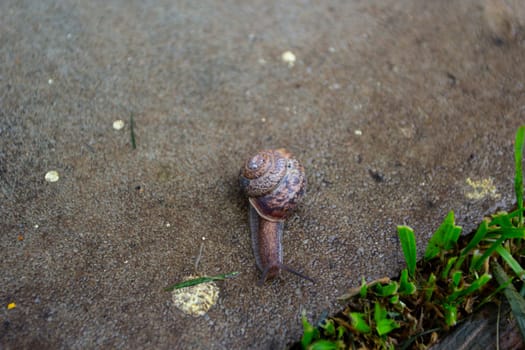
{"points": [[386, 326], [478, 236], [408, 244], [474, 287], [459, 262], [504, 220], [309, 332], [509, 259], [328, 327], [430, 286], [379, 312], [394, 299], [514, 232], [341, 331], [385, 290], [406, 287], [451, 314], [475, 260], [324, 344], [447, 268], [359, 322], [518, 179], [488, 252], [444, 238], [456, 278]]}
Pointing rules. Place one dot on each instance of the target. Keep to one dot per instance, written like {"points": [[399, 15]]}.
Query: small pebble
{"points": [[52, 176], [118, 124], [289, 58]]}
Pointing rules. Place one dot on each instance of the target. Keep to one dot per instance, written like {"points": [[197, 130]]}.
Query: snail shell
{"points": [[274, 182]]}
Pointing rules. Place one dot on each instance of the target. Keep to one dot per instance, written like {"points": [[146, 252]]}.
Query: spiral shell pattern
{"points": [[274, 182]]}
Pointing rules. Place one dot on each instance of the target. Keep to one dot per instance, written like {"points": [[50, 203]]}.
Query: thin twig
{"points": [[198, 259]]}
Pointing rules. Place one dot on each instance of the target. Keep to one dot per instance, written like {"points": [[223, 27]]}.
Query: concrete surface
{"points": [[397, 109]]}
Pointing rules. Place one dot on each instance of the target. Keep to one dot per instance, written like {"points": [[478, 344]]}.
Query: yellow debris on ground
{"points": [[482, 188]]}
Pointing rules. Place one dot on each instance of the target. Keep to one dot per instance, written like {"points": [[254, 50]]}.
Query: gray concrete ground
{"points": [[399, 110]]}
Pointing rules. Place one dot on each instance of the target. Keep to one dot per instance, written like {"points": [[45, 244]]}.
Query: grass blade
{"points": [[518, 180], [503, 220], [444, 238], [386, 290], [475, 286], [517, 304], [384, 325], [510, 233], [132, 131], [408, 244], [477, 264], [451, 314], [430, 286], [446, 270], [478, 236], [405, 286], [509, 259], [359, 322], [200, 280]]}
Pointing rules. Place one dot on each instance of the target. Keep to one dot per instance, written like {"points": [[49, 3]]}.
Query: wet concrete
{"points": [[390, 105]]}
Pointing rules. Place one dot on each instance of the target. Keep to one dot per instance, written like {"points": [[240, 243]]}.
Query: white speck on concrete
{"points": [[52, 176], [118, 124], [288, 57]]}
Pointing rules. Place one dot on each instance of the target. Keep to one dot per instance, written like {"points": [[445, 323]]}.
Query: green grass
{"points": [[454, 278], [199, 280], [132, 131]]}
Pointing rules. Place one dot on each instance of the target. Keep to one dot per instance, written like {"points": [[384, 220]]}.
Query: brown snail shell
{"points": [[274, 182]]}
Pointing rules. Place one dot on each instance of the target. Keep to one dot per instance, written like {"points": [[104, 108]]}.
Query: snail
{"points": [[274, 182]]}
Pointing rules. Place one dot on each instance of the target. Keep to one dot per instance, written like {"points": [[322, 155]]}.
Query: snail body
{"points": [[274, 182]]}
